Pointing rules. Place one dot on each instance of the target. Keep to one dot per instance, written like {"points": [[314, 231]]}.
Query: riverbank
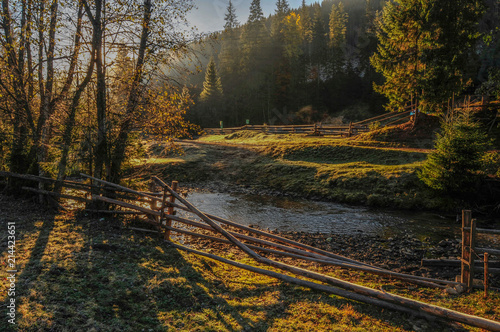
{"points": [[372, 173], [91, 273]]}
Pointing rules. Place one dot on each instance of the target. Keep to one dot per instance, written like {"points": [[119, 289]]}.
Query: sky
{"points": [[209, 16]]}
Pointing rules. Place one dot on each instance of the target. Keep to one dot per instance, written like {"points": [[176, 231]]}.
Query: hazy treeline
{"points": [[314, 61]]}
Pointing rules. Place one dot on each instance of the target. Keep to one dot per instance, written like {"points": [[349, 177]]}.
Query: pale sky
{"points": [[210, 13]]}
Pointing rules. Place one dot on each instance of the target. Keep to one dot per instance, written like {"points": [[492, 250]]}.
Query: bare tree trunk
{"points": [[22, 116], [70, 120], [133, 99]]}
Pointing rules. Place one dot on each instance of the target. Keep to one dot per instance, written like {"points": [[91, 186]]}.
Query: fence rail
{"points": [[158, 207], [319, 129]]}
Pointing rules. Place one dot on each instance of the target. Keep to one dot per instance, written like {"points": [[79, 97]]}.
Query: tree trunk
{"points": [[133, 99]]}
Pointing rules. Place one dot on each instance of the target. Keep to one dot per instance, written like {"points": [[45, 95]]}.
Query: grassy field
{"points": [[77, 273], [351, 171], [362, 170]]}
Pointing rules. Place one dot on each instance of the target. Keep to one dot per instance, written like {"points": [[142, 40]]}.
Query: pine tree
{"points": [[337, 37], [281, 11], [256, 13], [319, 41], [424, 46], [230, 17], [254, 38], [212, 87], [282, 8], [305, 23], [337, 25], [454, 167], [229, 63]]}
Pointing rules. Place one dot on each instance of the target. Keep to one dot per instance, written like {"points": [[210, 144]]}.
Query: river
{"points": [[285, 214]]}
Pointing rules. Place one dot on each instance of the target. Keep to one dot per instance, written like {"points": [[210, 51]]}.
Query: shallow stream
{"points": [[286, 214]]}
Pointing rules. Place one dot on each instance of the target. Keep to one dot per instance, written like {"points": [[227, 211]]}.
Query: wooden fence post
{"points": [[486, 275], [350, 129], [152, 203], [468, 232], [170, 211]]}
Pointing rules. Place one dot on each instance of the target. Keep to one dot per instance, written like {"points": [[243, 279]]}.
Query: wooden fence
{"points": [[158, 208], [470, 252], [318, 129]]}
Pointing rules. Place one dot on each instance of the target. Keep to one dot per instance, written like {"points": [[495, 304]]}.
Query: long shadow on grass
{"points": [[131, 282], [32, 269]]}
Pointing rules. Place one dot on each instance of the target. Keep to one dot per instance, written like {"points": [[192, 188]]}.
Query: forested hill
{"points": [[289, 60], [312, 61]]}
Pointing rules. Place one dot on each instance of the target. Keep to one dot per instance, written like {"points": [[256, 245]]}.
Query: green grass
{"points": [[343, 170], [91, 274]]}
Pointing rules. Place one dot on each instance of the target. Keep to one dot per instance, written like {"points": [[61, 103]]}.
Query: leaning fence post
{"points": [[170, 211], [467, 261], [152, 203], [486, 274]]}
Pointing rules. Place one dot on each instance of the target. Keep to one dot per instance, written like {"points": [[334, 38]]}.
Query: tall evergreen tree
{"points": [[337, 26], [256, 13], [229, 66], [281, 11], [212, 87], [424, 46], [211, 98], [230, 17], [337, 37], [305, 23], [282, 7]]}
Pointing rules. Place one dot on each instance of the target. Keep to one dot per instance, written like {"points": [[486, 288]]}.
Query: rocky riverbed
{"points": [[402, 254]]}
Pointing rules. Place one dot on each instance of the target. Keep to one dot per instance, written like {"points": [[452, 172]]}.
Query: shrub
{"points": [[456, 166]]}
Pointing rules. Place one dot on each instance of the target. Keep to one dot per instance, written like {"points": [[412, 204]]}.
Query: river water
{"points": [[286, 214]]}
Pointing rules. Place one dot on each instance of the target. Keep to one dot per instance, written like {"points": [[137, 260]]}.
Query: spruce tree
{"points": [[211, 101], [229, 66], [305, 23], [282, 7], [319, 41], [454, 167], [212, 87], [337, 36], [256, 13], [337, 25], [230, 17], [424, 47]]}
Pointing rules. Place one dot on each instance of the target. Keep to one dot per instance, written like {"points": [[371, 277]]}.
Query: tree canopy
{"points": [[424, 49]]}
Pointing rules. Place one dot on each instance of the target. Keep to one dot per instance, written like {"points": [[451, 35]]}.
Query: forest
{"points": [[82, 81], [333, 59]]}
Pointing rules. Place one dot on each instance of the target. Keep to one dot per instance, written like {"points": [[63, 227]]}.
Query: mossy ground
{"points": [[77, 273]]}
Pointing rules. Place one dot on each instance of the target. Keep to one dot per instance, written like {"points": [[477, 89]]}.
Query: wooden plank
{"points": [[488, 250], [453, 262], [422, 281], [125, 189], [466, 275], [142, 230], [200, 214], [50, 193], [382, 117], [170, 211], [485, 230], [115, 212], [127, 205], [368, 294]]}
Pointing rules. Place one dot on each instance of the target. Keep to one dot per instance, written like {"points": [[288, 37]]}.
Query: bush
{"points": [[456, 166]]}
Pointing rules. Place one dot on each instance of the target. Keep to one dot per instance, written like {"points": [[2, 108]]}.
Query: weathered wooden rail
{"points": [[320, 129], [158, 207]]}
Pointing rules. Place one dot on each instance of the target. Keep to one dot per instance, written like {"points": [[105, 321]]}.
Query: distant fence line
{"points": [[319, 129]]}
